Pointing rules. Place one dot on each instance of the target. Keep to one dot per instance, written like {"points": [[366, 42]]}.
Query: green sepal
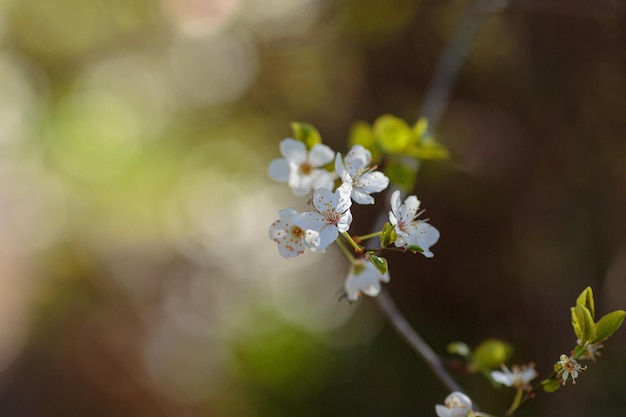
{"points": [[550, 385], [585, 299], [583, 324], [392, 133], [379, 263], [490, 354], [388, 236], [415, 248], [459, 348], [608, 325], [306, 133]]}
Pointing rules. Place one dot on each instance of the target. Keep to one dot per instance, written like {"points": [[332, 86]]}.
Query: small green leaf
{"points": [[490, 354], [379, 263], [306, 133], [459, 348], [415, 248], [420, 128], [388, 236], [608, 325], [392, 133], [428, 150], [583, 324], [550, 385], [585, 299]]}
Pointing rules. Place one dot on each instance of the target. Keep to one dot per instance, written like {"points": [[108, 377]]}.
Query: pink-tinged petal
{"points": [[309, 220], [327, 236], [279, 170], [372, 182], [293, 150], [321, 155], [322, 179], [343, 225]]}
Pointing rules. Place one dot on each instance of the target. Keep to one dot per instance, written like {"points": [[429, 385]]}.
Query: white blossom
{"points": [[456, 404], [291, 239], [410, 230], [355, 171], [364, 278], [570, 368], [331, 215], [519, 377], [301, 169]]}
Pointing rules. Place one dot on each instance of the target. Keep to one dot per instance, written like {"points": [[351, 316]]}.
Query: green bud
{"points": [[459, 348], [392, 133], [388, 236], [550, 385]]}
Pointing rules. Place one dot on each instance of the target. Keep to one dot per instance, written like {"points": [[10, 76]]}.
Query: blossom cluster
{"points": [[332, 183]]}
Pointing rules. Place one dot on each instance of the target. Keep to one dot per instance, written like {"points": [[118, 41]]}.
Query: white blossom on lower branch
{"points": [[519, 377], [410, 230], [331, 216], [456, 404], [364, 278]]}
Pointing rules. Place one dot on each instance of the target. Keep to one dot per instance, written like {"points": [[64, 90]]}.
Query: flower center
{"points": [[296, 232], [306, 168]]}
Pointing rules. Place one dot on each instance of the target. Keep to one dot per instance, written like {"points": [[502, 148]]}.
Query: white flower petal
{"points": [[357, 160], [324, 199], [442, 411], [321, 178], [343, 225], [327, 236], [279, 170], [409, 209], [425, 236], [300, 184], [321, 155], [361, 197], [340, 169], [309, 220], [372, 182], [344, 201], [502, 378], [395, 207], [293, 150]]}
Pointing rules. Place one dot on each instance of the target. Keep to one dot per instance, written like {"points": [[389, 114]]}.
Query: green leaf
{"points": [[388, 236], [306, 133], [490, 354], [550, 385], [583, 324], [415, 248], [428, 150], [420, 128], [392, 133], [379, 263], [585, 299], [608, 325]]}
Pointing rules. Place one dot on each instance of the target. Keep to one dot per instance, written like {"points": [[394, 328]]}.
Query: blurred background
{"points": [[136, 274]]}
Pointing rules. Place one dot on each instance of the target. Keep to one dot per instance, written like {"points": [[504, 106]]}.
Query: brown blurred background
{"points": [[136, 275]]}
